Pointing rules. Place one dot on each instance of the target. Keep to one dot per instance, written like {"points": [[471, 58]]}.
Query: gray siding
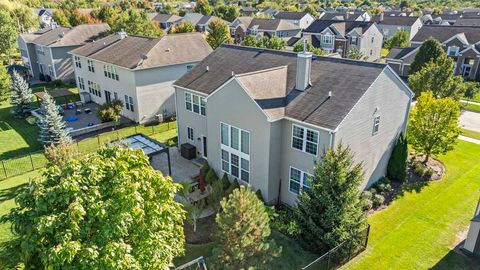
{"points": [[389, 99], [63, 62]]}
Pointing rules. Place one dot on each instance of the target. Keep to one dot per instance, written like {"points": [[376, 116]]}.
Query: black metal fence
{"points": [[342, 253], [37, 160]]}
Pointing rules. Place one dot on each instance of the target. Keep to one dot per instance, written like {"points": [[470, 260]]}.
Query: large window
{"points": [[110, 72], [299, 181], [195, 103], [81, 83], [235, 151], [305, 139], [353, 40], [129, 103], [327, 39], [78, 62], [91, 68], [94, 88], [39, 49]]}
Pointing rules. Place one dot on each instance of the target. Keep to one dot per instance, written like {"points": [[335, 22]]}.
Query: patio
{"points": [[84, 119], [182, 169]]}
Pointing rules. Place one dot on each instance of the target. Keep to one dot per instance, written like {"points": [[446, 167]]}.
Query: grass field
{"points": [[471, 107], [420, 228], [471, 134], [476, 98]]}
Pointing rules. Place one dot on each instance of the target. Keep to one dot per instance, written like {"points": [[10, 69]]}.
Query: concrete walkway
{"points": [[468, 139], [470, 120]]}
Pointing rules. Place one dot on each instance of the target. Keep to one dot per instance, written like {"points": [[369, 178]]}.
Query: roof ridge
{"points": [[260, 71]]}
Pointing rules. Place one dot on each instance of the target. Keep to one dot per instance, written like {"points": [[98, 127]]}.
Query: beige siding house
{"points": [[265, 117], [137, 70]]}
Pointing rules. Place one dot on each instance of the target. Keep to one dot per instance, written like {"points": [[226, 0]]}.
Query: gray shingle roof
{"points": [[344, 26], [164, 18], [290, 15], [71, 36], [398, 53], [352, 16], [272, 25], [443, 33], [468, 22], [312, 105], [131, 51], [395, 20]]}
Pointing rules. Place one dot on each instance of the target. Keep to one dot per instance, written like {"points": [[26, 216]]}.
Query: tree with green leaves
{"points": [[53, 129], [331, 211], [471, 89], [183, 27], [431, 49], [397, 164], [400, 39], [8, 36], [243, 233], [433, 128], [61, 154], [311, 9], [298, 47], [108, 14], [272, 42], [203, 7], [438, 77], [227, 12], [218, 33], [26, 19], [4, 85], [21, 94], [61, 18], [110, 210], [136, 23], [249, 40], [355, 54]]}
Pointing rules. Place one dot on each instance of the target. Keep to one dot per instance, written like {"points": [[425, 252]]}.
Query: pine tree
{"points": [[397, 165], [243, 232], [330, 211], [21, 94], [52, 127]]}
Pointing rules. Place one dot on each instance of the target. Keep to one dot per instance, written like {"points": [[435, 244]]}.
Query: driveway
{"points": [[182, 169], [470, 120]]}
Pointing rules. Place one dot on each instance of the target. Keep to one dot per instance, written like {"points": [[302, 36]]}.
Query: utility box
{"points": [[188, 151]]}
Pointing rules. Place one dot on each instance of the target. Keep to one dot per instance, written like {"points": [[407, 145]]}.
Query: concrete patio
{"points": [[182, 169]]}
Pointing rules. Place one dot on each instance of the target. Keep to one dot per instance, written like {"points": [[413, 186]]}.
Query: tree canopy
{"points": [[400, 39], [430, 49], [183, 27], [227, 12], [111, 210], [298, 47], [136, 23], [8, 35], [203, 7], [4, 85], [218, 33]]}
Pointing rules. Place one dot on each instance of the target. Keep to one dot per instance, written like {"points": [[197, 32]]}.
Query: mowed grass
{"points": [[476, 98], [471, 107], [471, 134], [420, 228]]}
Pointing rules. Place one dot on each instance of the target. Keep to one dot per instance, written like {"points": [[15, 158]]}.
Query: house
{"points": [[471, 245], [200, 21], [45, 52], [300, 19], [243, 26], [462, 43], [440, 19], [389, 25], [468, 21], [342, 36], [166, 21], [248, 11], [137, 70], [45, 15], [360, 16], [265, 117]]}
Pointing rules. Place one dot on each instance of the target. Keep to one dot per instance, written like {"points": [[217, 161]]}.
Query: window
{"points": [[110, 72], [305, 139], [189, 67], [81, 83], [195, 103], [190, 133], [299, 181], [453, 50], [235, 149], [94, 88], [371, 52], [108, 96], [115, 95], [91, 68], [373, 39], [327, 39], [376, 124], [39, 49], [129, 103], [78, 63], [353, 40], [50, 71]]}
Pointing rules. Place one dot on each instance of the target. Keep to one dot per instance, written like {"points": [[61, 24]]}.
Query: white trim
{"points": [[241, 155], [456, 36], [304, 139], [305, 123], [193, 134]]}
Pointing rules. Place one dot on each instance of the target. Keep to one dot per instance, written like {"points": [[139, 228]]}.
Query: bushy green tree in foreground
{"points": [[111, 210], [243, 233], [331, 211], [431, 49]]}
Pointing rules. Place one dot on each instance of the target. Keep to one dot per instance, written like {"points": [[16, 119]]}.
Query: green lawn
{"points": [[419, 229], [475, 98], [471, 107], [471, 133]]}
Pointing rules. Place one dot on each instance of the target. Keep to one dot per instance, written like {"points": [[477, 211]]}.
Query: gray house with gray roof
{"points": [[265, 117]]}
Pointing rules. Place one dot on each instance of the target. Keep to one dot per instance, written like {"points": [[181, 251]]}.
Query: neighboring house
{"points": [[137, 70], [45, 52], [342, 36], [468, 21], [440, 19], [263, 27], [462, 43], [200, 21], [45, 16], [300, 19], [166, 21], [389, 25], [265, 117], [268, 12], [398, 13], [248, 11], [360, 16]]}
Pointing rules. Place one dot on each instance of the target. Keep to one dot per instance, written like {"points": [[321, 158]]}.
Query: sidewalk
{"points": [[470, 102], [468, 139]]}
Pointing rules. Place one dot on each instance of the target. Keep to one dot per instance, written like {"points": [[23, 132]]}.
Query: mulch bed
{"points": [[204, 234]]}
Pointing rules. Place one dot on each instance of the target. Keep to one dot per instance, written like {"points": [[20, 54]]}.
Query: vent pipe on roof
{"points": [[208, 68], [381, 16], [329, 94], [122, 34], [304, 67], [233, 73]]}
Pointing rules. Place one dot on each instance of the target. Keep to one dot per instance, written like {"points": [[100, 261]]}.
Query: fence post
{"points": [[366, 238], [31, 161], [328, 261], [98, 140], [153, 130], [4, 170]]}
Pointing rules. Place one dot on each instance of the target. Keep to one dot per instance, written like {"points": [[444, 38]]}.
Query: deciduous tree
{"points": [[61, 18], [111, 210], [272, 42], [203, 7], [299, 48], [399, 39], [330, 211], [136, 23], [243, 233], [312, 9], [430, 49], [8, 35], [227, 12], [183, 27], [4, 85], [218, 33], [249, 40], [433, 127], [355, 54], [61, 154]]}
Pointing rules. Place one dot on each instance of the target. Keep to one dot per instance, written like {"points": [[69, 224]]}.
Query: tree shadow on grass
{"points": [[412, 187], [11, 193], [10, 257]]}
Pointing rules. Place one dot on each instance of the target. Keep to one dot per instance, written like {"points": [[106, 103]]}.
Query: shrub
{"points": [[211, 177], [232, 187], [205, 168], [419, 168], [109, 112], [378, 200], [427, 173], [367, 204], [259, 195], [383, 186], [56, 83], [62, 153], [397, 164], [225, 181], [283, 221]]}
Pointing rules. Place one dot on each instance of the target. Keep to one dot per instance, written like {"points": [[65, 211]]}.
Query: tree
{"points": [[8, 35], [194, 210], [217, 193], [430, 49], [249, 40], [273, 42], [26, 19], [61, 154], [433, 127], [243, 232], [136, 23], [330, 211], [298, 47], [4, 85], [218, 33], [228, 13], [311, 8], [110, 111], [111, 210], [355, 54], [52, 127], [183, 27], [397, 164], [203, 7], [472, 89], [399, 39], [438, 77], [108, 14], [61, 18], [21, 94]]}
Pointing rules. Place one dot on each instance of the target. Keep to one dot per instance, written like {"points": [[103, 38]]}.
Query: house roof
{"points": [[164, 18], [468, 22], [445, 32], [70, 36], [272, 25], [312, 106], [290, 15], [194, 18], [44, 11], [343, 26], [139, 52], [398, 53], [395, 20], [342, 16]]}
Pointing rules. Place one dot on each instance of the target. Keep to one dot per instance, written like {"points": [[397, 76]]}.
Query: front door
{"points": [[204, 147]]}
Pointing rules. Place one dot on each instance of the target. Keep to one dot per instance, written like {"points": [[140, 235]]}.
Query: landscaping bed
{"points": [[205, 228]]}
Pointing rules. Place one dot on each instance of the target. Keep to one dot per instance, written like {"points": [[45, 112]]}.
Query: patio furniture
{"points": [[78, 111], [90, 124], [197, 195], [71, 106], [87, 110], [71, 118], [79, 104]]}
